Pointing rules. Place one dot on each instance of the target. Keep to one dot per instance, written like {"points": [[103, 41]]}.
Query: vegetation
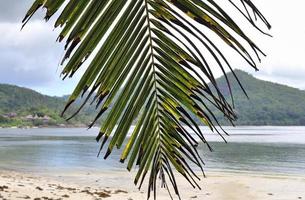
{"points": [[150, 49], [22, 107], [268, 103]]}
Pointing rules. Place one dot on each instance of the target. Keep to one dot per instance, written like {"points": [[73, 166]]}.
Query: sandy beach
{"points": [[118, 185]]}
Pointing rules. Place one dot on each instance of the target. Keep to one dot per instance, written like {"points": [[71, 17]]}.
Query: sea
{"points": [[254, 149]]}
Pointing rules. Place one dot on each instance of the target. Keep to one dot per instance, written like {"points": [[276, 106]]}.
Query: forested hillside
{"points": [[268, 104]]}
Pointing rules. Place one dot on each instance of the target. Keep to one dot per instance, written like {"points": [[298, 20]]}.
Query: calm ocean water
{"points": [[255, 149]]}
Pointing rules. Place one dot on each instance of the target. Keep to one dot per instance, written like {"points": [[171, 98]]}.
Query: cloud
{"points": [[285, 51], [285, 74], [29, 57], [14, 10]]}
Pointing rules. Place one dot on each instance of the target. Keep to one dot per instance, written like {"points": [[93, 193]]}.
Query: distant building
{"points": [[29, 117], [11, 115], [46, 119]]}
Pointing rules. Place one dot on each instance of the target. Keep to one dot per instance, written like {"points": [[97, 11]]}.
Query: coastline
{"points": [[114, 185], [34, 165]]}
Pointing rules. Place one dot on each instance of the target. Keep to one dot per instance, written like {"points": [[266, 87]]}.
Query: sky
{"points": [[31, 57]]}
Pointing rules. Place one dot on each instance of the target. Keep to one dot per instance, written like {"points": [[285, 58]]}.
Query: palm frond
{"points": [[152, 62]]}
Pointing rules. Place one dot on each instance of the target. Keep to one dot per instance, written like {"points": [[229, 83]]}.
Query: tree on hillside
{"points": [[157, 57]]}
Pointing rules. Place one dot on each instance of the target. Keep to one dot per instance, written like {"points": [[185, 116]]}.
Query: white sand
{"points": [[119, 186]]}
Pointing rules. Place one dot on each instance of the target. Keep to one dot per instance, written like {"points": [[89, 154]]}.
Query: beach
{"points": [[118, 185], [258, 163]]}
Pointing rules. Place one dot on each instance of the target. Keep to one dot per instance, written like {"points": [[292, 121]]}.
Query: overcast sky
{"points": [[30, 57]]}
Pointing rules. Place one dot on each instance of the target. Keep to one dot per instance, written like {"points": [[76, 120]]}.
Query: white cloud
{"points": [[30, 57], [286, 50]]}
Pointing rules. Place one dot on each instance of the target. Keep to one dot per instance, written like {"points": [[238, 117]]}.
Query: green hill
{"points": [[15, 99], [268, 104], [25, 107]]}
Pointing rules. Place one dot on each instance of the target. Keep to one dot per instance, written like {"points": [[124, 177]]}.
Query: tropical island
{"points": [[22, 107], [146, 76]]}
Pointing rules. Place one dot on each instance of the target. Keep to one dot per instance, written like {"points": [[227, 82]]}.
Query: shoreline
{"points": [[119, 185]]}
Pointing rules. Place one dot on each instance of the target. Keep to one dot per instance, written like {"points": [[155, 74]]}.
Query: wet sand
{"points": [[119, 186]]}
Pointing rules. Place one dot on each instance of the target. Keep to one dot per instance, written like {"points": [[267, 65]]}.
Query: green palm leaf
{"points": [[151, 64]]}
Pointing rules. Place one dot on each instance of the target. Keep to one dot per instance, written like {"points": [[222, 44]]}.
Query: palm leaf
{"points": [[151, 62]]}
